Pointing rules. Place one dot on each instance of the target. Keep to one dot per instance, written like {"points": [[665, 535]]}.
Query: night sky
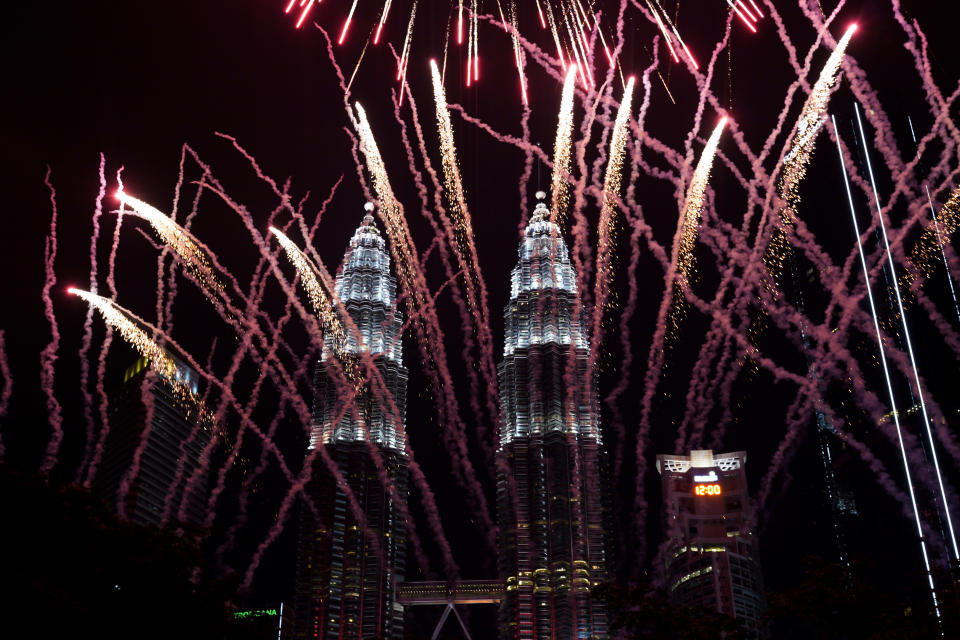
{"points": [[135, 81]]}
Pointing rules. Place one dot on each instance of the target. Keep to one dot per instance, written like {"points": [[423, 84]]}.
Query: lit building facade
{"points": [[160, 434], [711, 556], [551, 504], [348, 569]]}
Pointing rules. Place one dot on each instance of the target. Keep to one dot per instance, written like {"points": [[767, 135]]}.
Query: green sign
{"points": [[255, 613]]}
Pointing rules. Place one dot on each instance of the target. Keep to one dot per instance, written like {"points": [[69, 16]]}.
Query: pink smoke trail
{"points": [[250, 478], [150, 379], [7, 386], [88, 326], [445, 235], [405, 257], [48, 357], [104, 350]]}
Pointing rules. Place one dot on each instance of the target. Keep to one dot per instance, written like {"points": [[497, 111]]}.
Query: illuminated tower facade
{"points": [[347, 567], [550, 500], [160, 432], [712, 560]]}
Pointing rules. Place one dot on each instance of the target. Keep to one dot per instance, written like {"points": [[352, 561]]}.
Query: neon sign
{"points": [[707, 490], [256, 613]]}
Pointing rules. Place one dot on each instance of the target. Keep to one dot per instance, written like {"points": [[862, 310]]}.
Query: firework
{"points": [[160, 361], [180, 240], [608, 208], [309, 277], [797, 158], [808, 125], [949, 214], [693, 206], [569, 22], [561, 150]]}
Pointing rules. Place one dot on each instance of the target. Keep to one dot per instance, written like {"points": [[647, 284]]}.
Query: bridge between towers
{"points": [[412, 594]]}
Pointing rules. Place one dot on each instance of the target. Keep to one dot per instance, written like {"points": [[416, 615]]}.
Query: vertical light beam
{"points": [[906, 333]]}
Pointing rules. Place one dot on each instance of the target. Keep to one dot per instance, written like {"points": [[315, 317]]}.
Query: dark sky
{"points": [[137, 80]]}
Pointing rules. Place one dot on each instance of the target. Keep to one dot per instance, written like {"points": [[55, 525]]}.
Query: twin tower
{"points": [[552, 516]]}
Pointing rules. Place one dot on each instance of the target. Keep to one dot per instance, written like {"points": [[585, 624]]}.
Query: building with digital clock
{"points": [[711, 555]]}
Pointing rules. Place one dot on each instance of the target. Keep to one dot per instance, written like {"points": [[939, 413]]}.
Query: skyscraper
{"points": [[550, 502], [348, 568], [157, 435], [711, 554]]}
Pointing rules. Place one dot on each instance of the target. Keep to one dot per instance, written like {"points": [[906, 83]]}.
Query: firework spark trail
{"points": [[677, 274], [427, 326], [580, 251], [104, 401], [445, 236], [463, 239], [48, 357], [561, 151], [186, 246], [318, 299], [120, 319], [129, 326], [797, 159], [950, 207], [87, 338], [603, 271], [884, 139], [794, 162], [675, 282], [405, 56], [634, 214]]}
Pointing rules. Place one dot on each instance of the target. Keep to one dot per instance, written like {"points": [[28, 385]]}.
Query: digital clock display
{"points": [[707, 490]]}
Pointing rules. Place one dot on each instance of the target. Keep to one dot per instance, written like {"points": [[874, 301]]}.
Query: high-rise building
{"points": [[347, 567], [172, 439], [711, 554], [550, 500]]}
